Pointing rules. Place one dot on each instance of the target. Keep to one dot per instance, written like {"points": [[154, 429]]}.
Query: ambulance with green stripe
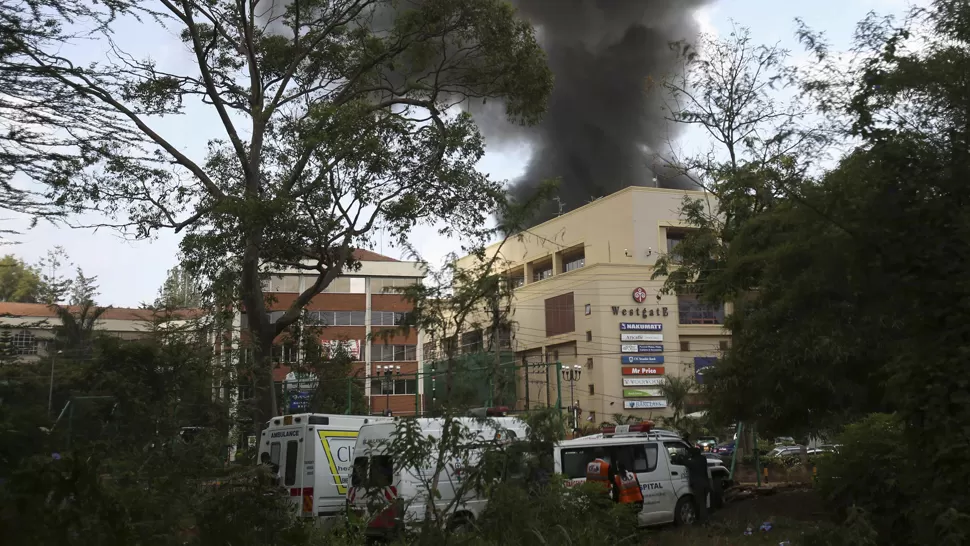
{"points": [[315, 454]]}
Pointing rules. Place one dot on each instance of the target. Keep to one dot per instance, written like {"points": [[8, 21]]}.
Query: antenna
{"points": [[561, 204]]}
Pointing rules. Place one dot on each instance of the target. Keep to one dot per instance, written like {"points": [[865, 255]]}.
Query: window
{"points": [[542, 272], [589, 363], [639, 457], [359, 472], [274, 453], [337, 318], [517, 281], [684, 345], [472, 341], [397, 386], [284, 283], [592, 389], [292, 451], [275, 316], [589, 335], [358, 285], [692, 311], [560, 315], [722, 345], [674, 238], [381, 471], [391, 285], [340, 285], [24, 343], [393, 353], [677, 452], [387, 318], [284, 353], [573, 260]]}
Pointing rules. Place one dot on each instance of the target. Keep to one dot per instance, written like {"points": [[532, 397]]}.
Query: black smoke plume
{"points": [[605, 128]]}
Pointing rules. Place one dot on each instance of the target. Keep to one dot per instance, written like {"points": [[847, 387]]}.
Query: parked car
{"points": [[784, 441], [785, 451], [724, 450], [706, 443], [823, 449], [713, 459]]}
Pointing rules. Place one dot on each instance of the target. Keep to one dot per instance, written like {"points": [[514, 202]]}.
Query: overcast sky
{"points": [[130, 273]]}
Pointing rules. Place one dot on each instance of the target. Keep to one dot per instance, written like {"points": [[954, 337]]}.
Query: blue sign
{"points": [[641, 359], [642, 326], [701, 365]]}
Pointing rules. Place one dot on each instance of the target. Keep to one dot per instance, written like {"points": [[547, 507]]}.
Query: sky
{"points": [[130, 272]]}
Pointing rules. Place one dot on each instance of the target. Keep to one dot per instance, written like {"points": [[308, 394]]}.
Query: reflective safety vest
{"points": [[628, 488], [598, 471]]}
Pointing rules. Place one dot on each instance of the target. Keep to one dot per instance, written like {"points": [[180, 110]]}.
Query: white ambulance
{"points": [[390, 495], [656, 457], [314, 453]]}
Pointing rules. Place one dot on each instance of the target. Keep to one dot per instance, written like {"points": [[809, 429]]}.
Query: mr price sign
{"points": [[639, 295], [644, 370]]}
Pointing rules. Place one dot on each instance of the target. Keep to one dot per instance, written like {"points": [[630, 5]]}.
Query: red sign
{"points": [[643, 370], [639, 295]]}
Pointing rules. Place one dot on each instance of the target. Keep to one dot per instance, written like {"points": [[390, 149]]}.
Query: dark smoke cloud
{"points": [[605, 128]]}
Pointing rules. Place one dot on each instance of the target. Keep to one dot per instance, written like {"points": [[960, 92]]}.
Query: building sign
{"points": [[644, 404], [703, 364], [352, 346], [641, 337], [642, 326], [639, 295], [298, 390], [638, 359], [643, 381], [634, 348], [640, 312], [642, 393], [643, 370]]}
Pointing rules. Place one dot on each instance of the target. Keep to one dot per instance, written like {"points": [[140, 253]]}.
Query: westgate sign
{"points": [[646, 370], [640, 312]]}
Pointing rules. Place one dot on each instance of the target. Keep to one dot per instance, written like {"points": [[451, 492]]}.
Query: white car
{"points": [[656, 457]]}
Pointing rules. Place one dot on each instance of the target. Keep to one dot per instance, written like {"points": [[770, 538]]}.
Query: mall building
{"points": [[583, 297]]}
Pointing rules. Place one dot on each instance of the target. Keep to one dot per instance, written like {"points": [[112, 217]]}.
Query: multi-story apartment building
{"points": [[583, 296], [359, 306]]}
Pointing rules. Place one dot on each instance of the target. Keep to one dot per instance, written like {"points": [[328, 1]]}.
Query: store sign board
{"points": [[642, 326], [643, 370], [644, 404], [643, 381], [642, 393], [641, 337], [634, 348], [641, 359]]}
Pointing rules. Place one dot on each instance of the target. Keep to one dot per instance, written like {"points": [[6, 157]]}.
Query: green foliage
{"points": [[179, 291], [871, 472], [18, 281]]}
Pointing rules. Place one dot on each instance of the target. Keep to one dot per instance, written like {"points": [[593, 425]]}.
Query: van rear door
{"points": [[292, 457]]}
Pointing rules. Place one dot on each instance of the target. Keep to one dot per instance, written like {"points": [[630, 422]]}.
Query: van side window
{"points": [[645, 458], [574, 462], [677, 452], [292, 452], [274, 453], [381, 471], [359, 474]]}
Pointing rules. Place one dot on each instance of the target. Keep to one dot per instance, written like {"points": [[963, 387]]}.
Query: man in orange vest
{"points": [[599, 471], [627, 487]]}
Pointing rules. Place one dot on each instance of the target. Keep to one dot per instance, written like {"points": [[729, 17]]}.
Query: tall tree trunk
{"points": [[265, 407]]}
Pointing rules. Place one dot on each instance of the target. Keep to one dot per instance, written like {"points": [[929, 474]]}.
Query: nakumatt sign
{"points": [[641, 326]]}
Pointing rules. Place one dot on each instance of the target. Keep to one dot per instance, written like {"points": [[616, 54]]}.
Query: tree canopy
{"points": [[19, 282]]}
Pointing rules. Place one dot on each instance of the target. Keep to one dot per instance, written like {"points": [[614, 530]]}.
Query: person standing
{"points": [[627, 487], [700, 483], [599, 471]]}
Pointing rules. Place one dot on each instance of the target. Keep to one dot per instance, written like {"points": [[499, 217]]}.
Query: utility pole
{"points": [[561, 204]]}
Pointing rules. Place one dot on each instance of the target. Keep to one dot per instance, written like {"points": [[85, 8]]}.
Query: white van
{"points": [[399, 494], [314, 453], [655, 457]]}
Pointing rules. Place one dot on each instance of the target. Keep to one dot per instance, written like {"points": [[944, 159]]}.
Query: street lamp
{"points": [[387, 384], [50, 393], [572, 374]]}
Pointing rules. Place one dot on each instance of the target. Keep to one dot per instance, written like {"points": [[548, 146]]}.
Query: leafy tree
{"points": [[55, 286], [179, 291], [83, 289], [18, 281], [338, 116], [78, 327]]}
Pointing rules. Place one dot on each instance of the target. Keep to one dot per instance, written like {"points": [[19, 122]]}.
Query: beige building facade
{"points": [[583, 297]]}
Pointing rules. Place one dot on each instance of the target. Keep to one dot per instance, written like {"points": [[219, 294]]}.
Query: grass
{"points": [[731, 533]]}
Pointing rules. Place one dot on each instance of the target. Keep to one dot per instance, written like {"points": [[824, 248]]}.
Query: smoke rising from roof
{"points": [[604, 129]]}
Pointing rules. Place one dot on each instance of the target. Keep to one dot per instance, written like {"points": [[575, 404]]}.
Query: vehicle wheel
{"points": [[686, 511], [717, 493]]}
